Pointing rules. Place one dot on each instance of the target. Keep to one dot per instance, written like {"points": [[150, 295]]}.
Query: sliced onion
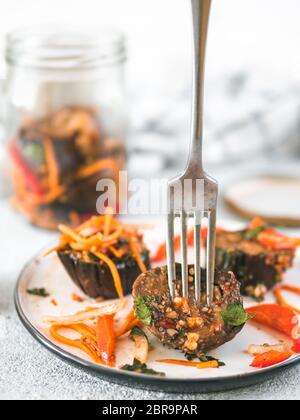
{"points": [[88, 315], [256, 350], [141, 348]]}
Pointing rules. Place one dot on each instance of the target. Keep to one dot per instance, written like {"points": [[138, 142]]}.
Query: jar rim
{"points": [[72, 48]]}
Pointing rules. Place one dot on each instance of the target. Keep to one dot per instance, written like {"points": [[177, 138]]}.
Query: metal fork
{"points": [[194, 194]]}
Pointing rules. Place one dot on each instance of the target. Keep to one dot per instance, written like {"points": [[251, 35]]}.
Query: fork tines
{"points": [[199, 217]]}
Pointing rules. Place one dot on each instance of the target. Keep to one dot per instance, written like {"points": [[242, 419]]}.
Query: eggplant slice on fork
{"points": [[182, 324]]}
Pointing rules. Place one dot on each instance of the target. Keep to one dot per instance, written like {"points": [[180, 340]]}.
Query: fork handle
{"points": [[200, 13]]}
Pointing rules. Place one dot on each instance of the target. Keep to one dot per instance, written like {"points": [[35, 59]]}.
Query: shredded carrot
{"points": [[204, 365], [85, 330], [130, 322], [76, 298], [95, 221], [115, 235], [72, 234], [275, 240], [96, 240], [137, 256], [117, 252], [99, 166], [54, 302], [135, 323], [63, 242], [208, 365], [79, 343], [257, 222], [52, 195], [282, 301], [88, 314], [89, 246], [55, 249], [53, 174], [178, 362], [114, 271], [100, 299], [101, 236]]}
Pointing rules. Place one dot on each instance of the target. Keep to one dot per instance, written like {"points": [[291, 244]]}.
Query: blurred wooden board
{"points": [[275, 199]]}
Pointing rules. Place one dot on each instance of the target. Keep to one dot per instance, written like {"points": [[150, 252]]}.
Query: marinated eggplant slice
{"points": [[103, 256], [257, 267], [94, 277], [180, 323]]}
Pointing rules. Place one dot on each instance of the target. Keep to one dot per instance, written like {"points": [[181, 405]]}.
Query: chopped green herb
{"points": [[139, 367], [93, 257], [38, 292], [259, 299], [136, 331], [253, 233], [203, 358], [181, 333], [235, 315], [145, 254], [34, 152], [221, 253], [190, 357], [142, 306]]}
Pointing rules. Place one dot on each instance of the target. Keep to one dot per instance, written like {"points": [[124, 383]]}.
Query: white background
{"points": [[256, 38], [261, 34]]}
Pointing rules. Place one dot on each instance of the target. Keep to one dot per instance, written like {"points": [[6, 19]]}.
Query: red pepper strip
{"points": [[281, 300], [30, 178], [271, 358], [280, 318], [161, 253], [296, 346], [106, 339]]}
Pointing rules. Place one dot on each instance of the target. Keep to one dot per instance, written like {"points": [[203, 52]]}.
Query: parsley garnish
{"points": [[139, 367], [142, 306], [38, 292], [203, 358], [235, 315]]}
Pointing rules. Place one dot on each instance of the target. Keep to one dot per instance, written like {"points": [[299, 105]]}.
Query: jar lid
{"points": [[65, 48]]}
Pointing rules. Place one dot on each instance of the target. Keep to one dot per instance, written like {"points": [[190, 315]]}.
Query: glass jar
{"points": [[66, 120]]}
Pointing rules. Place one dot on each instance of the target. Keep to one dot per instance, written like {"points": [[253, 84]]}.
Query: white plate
{"points": [[259, 197], [49, 273]]}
